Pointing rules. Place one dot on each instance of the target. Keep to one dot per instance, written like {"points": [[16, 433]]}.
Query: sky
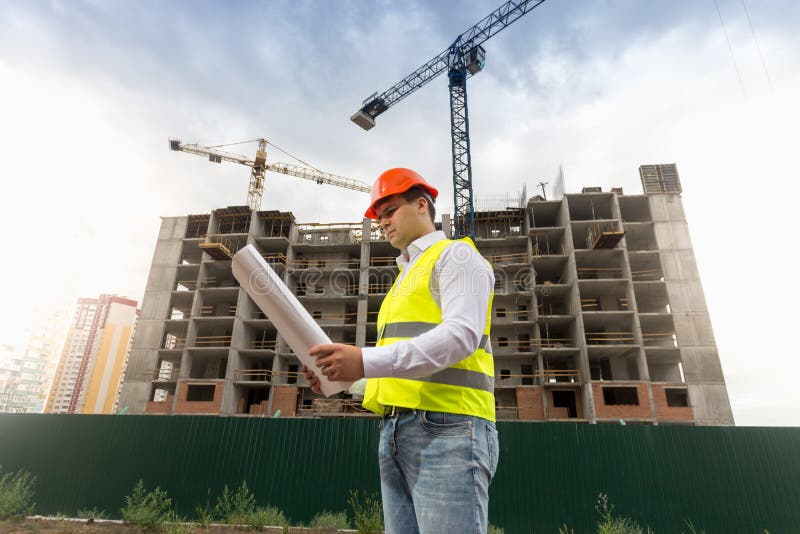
{"points": [[93, 90]]}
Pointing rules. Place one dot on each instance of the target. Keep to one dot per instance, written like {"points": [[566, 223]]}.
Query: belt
{"points": [[394, 411]]}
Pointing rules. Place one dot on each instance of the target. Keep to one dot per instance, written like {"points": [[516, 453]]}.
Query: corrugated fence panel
{"points": [[301, 466], [721, 479]]}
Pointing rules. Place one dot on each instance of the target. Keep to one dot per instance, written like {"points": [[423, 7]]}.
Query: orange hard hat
{"points": [[394, 182]]}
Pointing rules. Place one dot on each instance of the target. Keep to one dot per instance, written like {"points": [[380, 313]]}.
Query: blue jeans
{"points": [[435, 472]]}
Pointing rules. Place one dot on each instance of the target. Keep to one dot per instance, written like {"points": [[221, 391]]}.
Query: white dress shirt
{"points": [[461, 283]]}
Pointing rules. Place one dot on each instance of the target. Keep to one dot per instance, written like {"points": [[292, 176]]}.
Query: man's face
{"points": [[402, 222]]}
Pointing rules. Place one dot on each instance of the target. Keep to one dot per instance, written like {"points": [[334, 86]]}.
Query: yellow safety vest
{"points": [[408, 310]]}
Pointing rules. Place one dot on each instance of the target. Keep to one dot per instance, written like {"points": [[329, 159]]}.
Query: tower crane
{"points": [[259, 166], [463, 58]]}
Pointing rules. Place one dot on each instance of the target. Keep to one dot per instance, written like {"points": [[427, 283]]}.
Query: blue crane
{"points": [[461, 60]]}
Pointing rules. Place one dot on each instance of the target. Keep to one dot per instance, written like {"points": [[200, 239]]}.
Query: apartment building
{"points": [[598, 315], [95, 353], [27, 369]]}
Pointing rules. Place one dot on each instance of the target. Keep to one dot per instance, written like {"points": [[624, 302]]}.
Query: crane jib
{"points": [[462, 59], [502, 17]]}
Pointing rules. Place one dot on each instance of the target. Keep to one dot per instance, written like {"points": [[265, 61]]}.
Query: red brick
{"points": [[199, 407], [284, 398], [640, 411], [670, 413], [529, 403], [160, 407]]}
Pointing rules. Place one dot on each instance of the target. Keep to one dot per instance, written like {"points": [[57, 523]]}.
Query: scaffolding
{"points": [[604, 236], [498, 224], [329, 233], [197, 226], [233, 220], [276, 223], [218, 247]]}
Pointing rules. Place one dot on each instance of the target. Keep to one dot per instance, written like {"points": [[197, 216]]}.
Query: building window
{"points": [[501, 313], [200, 392], [600, 369], [527, 374], [565, 399], [677, 398], [505, 373], [293, 372], [620, 396]]}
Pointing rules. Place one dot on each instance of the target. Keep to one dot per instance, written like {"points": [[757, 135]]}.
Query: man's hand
{"points": [[339, 362], [312, 379]]}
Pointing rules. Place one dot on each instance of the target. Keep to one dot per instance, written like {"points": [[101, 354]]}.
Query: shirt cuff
{"points": [[378, 362]]}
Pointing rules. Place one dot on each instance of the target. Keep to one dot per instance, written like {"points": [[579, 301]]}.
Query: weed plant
{"points": [[91, 513], [267, 516], [16, 494], [235, 507], [609, 524], [175, 524], [239, 508], [367, 512], [328, 522], [146, 509], [204, 515]]}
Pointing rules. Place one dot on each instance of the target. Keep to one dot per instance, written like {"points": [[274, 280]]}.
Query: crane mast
{"points": [[462, 59]]}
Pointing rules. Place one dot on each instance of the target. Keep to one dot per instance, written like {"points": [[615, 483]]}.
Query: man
{"points": [[431, 375]]}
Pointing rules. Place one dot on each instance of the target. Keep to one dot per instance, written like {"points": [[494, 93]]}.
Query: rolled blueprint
{"points": [[294, 323]]}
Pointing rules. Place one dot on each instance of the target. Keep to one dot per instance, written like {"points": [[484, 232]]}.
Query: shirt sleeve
{"points": [[463, 284]]}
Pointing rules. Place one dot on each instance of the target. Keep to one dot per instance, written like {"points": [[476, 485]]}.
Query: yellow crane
{"points": [[259, 166]]}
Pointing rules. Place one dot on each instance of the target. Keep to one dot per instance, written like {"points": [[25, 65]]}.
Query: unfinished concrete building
{"points": [[598, 312]]}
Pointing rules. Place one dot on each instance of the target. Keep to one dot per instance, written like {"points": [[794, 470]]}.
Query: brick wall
{"points": [[284, 398], [670, 413], [529, 403], [640, 411], [258, 409], [160, 407], [199, 407]]}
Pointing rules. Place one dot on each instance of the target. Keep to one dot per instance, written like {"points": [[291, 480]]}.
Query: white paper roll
{"points": [[294, 323]]}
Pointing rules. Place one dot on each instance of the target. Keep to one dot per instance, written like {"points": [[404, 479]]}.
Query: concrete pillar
{"points": [[707, 392]]}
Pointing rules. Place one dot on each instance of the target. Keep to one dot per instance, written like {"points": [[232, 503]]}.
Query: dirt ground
{"points": [[44, 526]]}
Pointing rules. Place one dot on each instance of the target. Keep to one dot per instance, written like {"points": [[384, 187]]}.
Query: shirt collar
{"points": [[418, 246]]}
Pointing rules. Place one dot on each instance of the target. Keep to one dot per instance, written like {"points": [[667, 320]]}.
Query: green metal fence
{"points": [[550, 474]]}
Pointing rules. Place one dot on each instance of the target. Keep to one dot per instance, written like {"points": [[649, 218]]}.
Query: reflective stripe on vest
{"points": [[414, 329], [460, 377]]}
